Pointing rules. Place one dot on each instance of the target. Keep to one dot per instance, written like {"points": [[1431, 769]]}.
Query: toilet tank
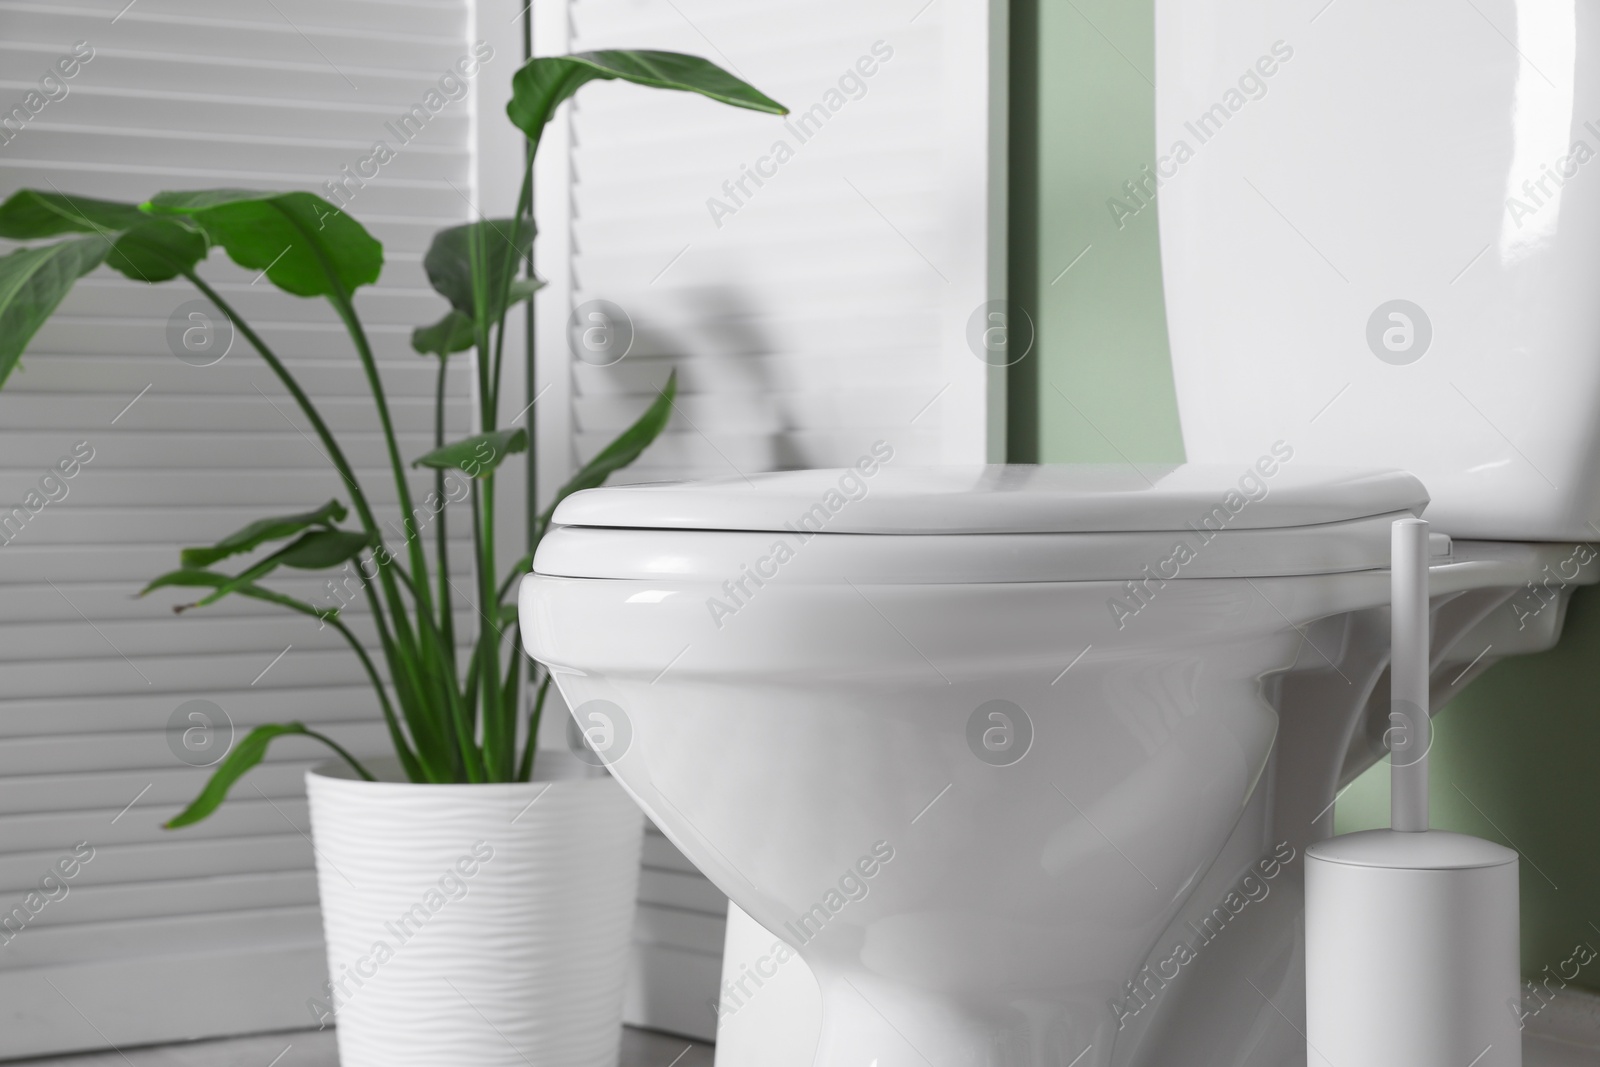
{"points": [[1380, 238]]}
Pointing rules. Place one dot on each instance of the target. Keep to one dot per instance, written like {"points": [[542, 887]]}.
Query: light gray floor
{"points": [[639, 1049], [310, 1048], [1543, 1052]]}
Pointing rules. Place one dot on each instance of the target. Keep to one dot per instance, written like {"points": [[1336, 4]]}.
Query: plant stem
{"points": [[525, 772], [440, 682], [518, 569], [335, 454], [503, 728], [341, 300], [408, 759], [506, 710], [524, 206], [344, 304], [419, 563], [397, 654], [488, 650], [331, 743], [429, 658], [447, 622]]}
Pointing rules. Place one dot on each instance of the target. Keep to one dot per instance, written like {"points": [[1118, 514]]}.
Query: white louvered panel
{"points": [[216, 894], [827, 312], [245, 814], [83, 715], [139, 939], [162, 787], [180, 448], [113, 751], [162, 861], [196, 94], [118, 600]]}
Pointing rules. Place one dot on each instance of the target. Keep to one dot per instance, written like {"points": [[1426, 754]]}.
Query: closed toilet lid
{"points": [[987, 524], [878, 497]]}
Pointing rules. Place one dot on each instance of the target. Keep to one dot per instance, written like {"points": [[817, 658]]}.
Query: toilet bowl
{"points": [[971, 741], [1018, 764]]}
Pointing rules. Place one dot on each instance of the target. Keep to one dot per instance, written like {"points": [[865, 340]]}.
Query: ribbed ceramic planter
{"points": [[476, 925]]}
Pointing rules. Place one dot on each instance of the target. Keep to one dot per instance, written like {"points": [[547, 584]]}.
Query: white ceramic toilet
{"points": [[1022, 760]]}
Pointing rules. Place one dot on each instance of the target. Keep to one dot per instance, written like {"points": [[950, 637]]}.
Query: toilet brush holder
{"points": [[1411, 934], [1411, 952]]}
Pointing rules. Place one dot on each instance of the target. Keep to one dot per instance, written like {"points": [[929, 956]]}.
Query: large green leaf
{"points": [[245, 755], [304, 244], [321, 549], [317, 550], [28, 215], [477, 455], [190, 578], [470, 262], [451, 334], [313, 551], [33, 282], [623, 451], [157, 250], [457, 332], [545, 81], [261, 531]]}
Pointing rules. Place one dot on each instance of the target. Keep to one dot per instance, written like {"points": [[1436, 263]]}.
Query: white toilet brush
{"points": [[1411, 933]]}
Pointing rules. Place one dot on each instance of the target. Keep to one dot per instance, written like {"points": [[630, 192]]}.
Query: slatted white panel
{"points": [[213, 929], [826, 311]]}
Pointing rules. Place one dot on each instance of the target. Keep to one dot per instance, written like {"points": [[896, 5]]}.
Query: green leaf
{"points": [[33, 282], [28, 215], [321, 549], [157, 250], [451, 334], [316, 550], [544, 82], [474, 266], [477, 455], [262, 530], [245, 755], [456, 332], [313, 551], [523, 288], [198, 579], [621, 452], [187, 578], [305, 244]]}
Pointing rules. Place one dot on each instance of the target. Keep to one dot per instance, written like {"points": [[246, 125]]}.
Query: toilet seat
{"points": [[987, 524]]}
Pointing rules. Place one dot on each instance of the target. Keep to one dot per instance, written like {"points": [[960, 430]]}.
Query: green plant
{"points": [[448, 722]]}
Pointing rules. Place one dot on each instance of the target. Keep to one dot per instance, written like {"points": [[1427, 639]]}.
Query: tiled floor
{"points": [[309, 1048]]}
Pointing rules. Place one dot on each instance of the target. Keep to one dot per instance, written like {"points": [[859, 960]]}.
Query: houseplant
{"points": [[457, 809]]}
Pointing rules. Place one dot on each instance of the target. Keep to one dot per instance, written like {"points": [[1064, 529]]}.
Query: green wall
{"points": [[1523, 741], [1516, 759], [1100, 389]]}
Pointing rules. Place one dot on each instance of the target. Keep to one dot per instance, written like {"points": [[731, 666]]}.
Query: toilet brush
{"points": [[1411, 933]]}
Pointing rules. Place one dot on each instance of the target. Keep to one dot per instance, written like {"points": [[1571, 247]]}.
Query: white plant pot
{"points": [[475, 925]]}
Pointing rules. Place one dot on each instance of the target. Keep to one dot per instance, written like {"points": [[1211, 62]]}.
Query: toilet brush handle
{"points": [[1410, 731]]}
